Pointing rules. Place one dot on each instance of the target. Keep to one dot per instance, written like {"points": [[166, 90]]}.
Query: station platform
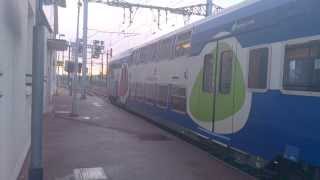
{"points": [[122, 145]]}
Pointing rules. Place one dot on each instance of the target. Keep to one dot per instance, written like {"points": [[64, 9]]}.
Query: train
{"points": [[247, 79]]}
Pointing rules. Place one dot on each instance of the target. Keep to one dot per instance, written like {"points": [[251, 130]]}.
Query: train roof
{"points": [[230, 15]]}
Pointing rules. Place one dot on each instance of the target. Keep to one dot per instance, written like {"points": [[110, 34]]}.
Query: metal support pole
{"points": [[102, 66], [75, 100], [69, 81], [39, 44], [84, 55], [63, 73], [107, 68], [91, 70], [209, 8]]}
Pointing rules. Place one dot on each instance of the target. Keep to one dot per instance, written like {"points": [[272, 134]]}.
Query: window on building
{"points": [[258, 68], [183, 44], [302, 67], [178, 98], [225, 72], [162, 92], [207, 85]]}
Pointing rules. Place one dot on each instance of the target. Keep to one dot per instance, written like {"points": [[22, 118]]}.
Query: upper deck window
{"points": [[135, 57], [302, 67], [258, 68], [183, 44], [165, 48]]}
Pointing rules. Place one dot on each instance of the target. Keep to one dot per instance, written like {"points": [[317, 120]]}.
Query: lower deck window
{"points": [[162, 95], [178, 98], [139, 91], [302, 67], [132, 91], [150, 92]]}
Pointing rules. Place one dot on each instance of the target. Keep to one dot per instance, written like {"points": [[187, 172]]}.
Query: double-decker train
{"points": [[247, 79]]}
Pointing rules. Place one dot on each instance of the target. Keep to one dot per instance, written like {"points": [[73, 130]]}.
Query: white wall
{"points": [[16, 23]]}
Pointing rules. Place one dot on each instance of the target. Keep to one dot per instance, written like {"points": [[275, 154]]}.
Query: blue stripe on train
{"points": [[275, 122]]}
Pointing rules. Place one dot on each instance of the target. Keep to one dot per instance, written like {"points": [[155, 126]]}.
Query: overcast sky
{"points": [[104, 18]]}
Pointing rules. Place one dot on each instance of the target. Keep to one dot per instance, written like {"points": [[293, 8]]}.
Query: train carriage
{"points": [[247, 79]]}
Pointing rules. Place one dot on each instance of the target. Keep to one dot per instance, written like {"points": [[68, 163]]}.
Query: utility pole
{"points": [[91, 70], [84, 55], [64, 63], [101, 66], [75, 100], [69, 62], [107, 67], [209, 8], [36, 167]]}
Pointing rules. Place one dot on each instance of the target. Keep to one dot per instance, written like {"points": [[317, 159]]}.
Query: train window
{"points": [[162, 92], [149, 92], [165, 49], [135, 57], [258, 68], [132, 91], [152, 52], [178, 98], [302, 67], [143, 55], [225, 72], [183, 44], [207, 85], [140, 91]]}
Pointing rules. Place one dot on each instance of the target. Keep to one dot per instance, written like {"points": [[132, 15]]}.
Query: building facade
{"points": [[17, 19]]}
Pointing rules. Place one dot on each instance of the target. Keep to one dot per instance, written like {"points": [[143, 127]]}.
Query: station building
{"points": [[17, 19]]}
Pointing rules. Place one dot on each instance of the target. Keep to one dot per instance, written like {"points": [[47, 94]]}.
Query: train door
{"points": [[201, 97], [228, 88], [218, 91]]}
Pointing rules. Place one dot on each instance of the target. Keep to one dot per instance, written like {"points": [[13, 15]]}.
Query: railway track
{"points": [[98, 91]]}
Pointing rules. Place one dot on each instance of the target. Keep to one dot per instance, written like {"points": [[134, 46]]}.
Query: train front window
{"points": [[225, 72], [302, 67], [258, 68]]}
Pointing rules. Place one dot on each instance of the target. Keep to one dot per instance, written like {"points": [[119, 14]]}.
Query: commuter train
{"points": [[247, 79]]}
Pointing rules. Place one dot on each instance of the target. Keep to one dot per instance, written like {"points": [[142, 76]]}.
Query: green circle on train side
{"points": [[202, 104]]}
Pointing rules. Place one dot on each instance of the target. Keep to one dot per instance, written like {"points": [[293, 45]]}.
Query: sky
{"points": [[111, 19]]}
